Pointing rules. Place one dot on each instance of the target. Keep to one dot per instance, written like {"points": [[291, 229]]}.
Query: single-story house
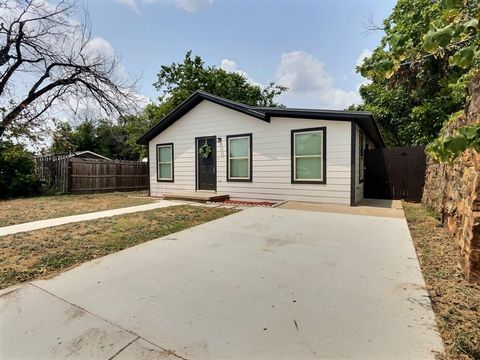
{"points": [[209, 143]]}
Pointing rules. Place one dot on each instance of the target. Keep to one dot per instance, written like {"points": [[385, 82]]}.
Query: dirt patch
{"points": [[455, 301], [42, 253], [19, 211]]}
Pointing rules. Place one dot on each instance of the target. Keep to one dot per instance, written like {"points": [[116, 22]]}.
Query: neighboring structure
{"points": [[87, 155], [209, 143]]}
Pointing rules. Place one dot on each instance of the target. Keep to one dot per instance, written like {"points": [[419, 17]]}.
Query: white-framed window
{"points": [[165, 162], [309, 156], [239, 157], [361, 157]]}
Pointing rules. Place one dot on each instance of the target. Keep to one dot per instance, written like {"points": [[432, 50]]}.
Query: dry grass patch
{"points": [[456, 302], [48, 207], [41, 253]]}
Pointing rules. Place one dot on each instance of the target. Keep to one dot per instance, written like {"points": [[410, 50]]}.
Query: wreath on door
{"points": [[205, 150]]}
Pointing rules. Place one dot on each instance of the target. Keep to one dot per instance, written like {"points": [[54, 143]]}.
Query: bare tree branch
{"points": [[52, 51], [370, 25]]}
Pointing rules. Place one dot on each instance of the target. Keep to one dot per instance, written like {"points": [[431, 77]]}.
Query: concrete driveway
{"points": [[260, 284]]}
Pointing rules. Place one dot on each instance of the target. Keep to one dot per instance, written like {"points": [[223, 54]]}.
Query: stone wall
{"points": [[453, 191]]}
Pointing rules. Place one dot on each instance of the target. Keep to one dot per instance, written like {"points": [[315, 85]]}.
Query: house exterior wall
{"points": [[271, 155]]}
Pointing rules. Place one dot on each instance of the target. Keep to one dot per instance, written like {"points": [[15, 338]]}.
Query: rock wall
{"points": [[453, 192]]}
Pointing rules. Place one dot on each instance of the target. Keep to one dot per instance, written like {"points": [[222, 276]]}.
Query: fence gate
{"points": [[395, 173]]}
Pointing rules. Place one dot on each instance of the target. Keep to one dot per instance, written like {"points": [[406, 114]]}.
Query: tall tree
{"points": [[421, 68], [63, 139], [105, 137], [50, 50], [178, 81]]}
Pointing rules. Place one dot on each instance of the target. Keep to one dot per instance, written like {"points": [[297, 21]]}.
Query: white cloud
{"points": [[193, 5], [309, 83], [302, 73], [231, 66], [228, 65], [132, 4], [366, 53], [99, 46]]}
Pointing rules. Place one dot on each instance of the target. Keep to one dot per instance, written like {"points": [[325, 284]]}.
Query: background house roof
{"points": [[364, 119], [85, 154]]}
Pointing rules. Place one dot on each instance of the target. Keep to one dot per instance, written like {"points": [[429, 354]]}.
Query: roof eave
{"points": [[189, 104], [265, 114], [376, 137]]}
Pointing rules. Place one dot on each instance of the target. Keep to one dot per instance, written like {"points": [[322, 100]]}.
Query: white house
{"points": [[209, 143]]}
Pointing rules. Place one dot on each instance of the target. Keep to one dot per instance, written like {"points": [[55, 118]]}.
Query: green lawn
{"points": [[40, 253], [47, 207]]}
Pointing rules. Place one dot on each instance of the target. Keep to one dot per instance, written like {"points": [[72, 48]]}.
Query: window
{"points": [[239, 157], [165, 162], [361, 158], [309, 156]]}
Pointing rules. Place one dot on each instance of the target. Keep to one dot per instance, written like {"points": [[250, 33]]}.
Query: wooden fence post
{"points": [[69, 176]]}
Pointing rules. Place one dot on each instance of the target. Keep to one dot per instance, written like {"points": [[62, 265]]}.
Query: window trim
{"points": [[323, 130], [172, 179], [361, 156], [250, 158]]}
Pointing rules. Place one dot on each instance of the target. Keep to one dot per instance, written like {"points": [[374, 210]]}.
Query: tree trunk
{"points": [[2, 130]]}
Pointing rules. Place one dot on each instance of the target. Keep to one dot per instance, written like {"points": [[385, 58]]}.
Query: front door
{"points": [[206, 148]]}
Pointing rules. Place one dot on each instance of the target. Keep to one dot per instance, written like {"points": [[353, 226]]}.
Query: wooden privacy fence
{"points": [[395, 173], [101, 176], [53, 171], [76, 175]]}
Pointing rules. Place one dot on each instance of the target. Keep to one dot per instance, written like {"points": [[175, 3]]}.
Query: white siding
{"points": [[271, 155]]}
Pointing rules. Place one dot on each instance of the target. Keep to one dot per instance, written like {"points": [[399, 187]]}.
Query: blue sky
{"points": [[310, 46]]}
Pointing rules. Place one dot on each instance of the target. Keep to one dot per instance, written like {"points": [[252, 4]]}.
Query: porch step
{"points": [[197, 196]]}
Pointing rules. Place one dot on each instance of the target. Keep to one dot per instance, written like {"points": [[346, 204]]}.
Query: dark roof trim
{"points": [[364, 119], [188, 105]]}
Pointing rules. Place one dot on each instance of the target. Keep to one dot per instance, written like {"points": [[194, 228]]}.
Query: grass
{"points": [[43, 253], [456, 302], [47, 207]]}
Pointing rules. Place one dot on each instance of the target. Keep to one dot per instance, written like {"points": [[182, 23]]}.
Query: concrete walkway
{"points": [[42, 224], [260, 284], [369, 207]]}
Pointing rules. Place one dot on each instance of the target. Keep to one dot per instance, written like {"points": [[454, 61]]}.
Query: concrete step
{"points": [[197, 196]]}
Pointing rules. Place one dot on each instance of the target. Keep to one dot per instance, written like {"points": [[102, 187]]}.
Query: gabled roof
{"points": [[80, 154], [364, 119], [88, 154], [192, 101]]}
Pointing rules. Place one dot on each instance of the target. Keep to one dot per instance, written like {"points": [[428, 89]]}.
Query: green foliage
{"points": [[176, 82], [180, 80], [17, 172], [421, 69], [112, 139], [448, 148]]}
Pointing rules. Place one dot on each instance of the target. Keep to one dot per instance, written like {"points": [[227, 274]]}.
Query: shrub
{"points": [[17, 172]]}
